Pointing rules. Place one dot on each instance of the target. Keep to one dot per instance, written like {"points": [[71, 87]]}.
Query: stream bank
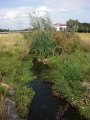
{"points": [[46, 106]]}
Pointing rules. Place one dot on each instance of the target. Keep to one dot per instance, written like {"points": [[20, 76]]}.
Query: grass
{"points": [[13, 42], [85, 38], [15, 72], [69, 70]]}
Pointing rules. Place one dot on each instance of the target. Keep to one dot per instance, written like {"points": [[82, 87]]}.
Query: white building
{"points": [[59, 26]]}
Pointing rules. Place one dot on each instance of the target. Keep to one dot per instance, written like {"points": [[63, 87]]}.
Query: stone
{"points": [[9, 112]]}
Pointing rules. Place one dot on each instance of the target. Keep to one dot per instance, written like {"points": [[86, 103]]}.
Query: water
{"points": [[45, 106]]}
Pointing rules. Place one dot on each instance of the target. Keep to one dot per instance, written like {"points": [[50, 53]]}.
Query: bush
{"points": [[67, 72], [66, 42], [42, 43]]}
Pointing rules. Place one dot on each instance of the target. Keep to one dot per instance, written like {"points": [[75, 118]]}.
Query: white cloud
{"points": [[59, 10], [12, 15], [71, 4], [12, 18], [41, 11]]}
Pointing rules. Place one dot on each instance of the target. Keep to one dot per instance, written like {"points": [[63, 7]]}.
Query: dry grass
{"points": [[10, 40], [13, 41], [85, 37]]}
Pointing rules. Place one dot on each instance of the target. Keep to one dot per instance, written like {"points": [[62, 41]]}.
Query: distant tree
{"points": [[84, 27], [0, 30], [4, 30], [72, 25]]}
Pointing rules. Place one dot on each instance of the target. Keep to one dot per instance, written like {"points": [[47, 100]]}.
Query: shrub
{"points": [[66, 42], [42, 43], [67, 73]]}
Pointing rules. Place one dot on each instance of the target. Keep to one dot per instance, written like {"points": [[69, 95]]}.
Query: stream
{"points": [[46, 106]]}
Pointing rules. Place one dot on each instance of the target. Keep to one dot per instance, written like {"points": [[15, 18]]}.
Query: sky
{"points": [[14, 13]]}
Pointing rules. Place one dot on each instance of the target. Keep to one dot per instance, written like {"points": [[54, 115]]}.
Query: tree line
{"points": [[4, 30], [76, 26]]}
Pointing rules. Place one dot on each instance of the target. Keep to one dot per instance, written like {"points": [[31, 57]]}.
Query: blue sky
{"points": [[14, 13]]}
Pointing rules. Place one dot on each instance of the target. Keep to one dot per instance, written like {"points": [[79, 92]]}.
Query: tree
{"points": [[72, 25], [84, 27], [42, 41], [38, 21]]}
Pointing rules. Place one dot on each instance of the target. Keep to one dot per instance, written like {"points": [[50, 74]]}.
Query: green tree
{"points": [[40, 22], [72, 25], [42, 36], [84, 27], [42, 43]]}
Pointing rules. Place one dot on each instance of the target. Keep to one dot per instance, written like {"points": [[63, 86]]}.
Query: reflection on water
{"points": [[45, 106]]}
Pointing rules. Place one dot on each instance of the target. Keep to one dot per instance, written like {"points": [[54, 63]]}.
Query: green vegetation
{"points": [[76, 26], [42, 44], [61, 58], [67, 68], [4, 30], [15, 71], [38, 22], [67, 73]]}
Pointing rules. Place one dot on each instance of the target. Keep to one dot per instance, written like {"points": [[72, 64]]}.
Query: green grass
{"points": [[15, 72], [68, 72], [67, 66], [68, 69]]}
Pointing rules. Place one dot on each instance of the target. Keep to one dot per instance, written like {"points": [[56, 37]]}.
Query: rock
{"points": [[9, 112]]}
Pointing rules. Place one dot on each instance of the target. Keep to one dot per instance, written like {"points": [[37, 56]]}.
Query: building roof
{"points": [[59, 24]]}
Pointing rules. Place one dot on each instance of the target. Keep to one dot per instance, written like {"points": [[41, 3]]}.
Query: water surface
{"points": [[45, 106]]}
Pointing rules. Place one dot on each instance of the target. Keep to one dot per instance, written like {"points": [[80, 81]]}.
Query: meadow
{"points": [[67, 57], [85, 37], [14, 71]]}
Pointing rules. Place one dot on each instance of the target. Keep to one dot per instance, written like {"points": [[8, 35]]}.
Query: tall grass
{"points": [[14, 70], [67, 73], [85, 38], [68, 68]]}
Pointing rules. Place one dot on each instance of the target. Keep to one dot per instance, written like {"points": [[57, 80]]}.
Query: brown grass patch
{"points": [[85, 37], [13, 41], [9, 40]]}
